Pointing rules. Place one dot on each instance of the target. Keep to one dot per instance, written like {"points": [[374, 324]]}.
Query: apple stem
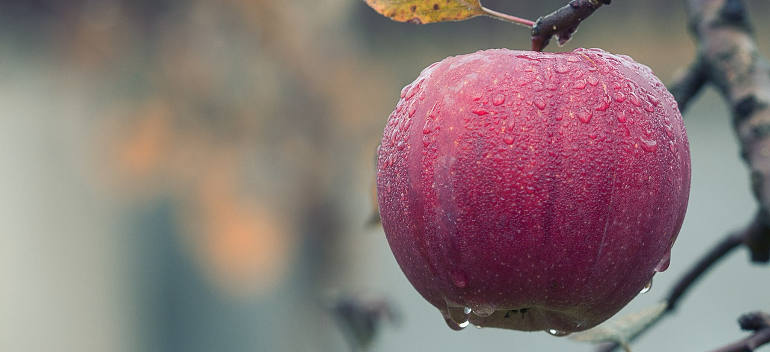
{"points": [[508, 18]]}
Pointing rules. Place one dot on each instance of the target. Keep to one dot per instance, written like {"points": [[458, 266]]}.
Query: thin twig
{"points": [[508, 18], [759, 323], [689, 84]]}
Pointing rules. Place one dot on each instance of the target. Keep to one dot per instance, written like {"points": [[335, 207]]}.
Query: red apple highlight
{"points": [[533, 191]]}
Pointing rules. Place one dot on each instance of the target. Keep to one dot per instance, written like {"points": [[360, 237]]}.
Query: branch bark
{"points": [[563, 22], [759, 323]]}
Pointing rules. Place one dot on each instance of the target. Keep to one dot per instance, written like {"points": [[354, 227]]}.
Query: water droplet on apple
{"points": [[558, 333], [508, 139], [649, 145], [579, 84], [483, 310], [498, 100], [622, 117], [480, 112], [584, 115], [664, 263], [540, 103], [561, 68], [619, 97], [593, 80], [647, 287], [603, 104], [456, 317], [405, 89]]}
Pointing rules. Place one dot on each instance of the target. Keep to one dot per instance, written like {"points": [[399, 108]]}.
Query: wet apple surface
{"points": [[533, 191]]}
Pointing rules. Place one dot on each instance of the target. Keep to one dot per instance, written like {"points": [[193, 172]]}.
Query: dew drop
{"points": [[573, 59], [584, 115], [405, 89], [412, 91], [579, 84], [480, 112], [456, 317], [593, 80], [669, 131], [498, 100], [664, 263], [649, 145], [412, 110], [483, 310], [619, 97], [558, 333], [647, 287], [561, 68], [649, 108], [635, 100], [540, 103], [508, 139], [477, 96], [653, 100], [622, 117], [603, 104]]}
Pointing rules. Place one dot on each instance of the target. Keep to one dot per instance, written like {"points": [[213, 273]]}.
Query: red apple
{"points": [[533, 191]]}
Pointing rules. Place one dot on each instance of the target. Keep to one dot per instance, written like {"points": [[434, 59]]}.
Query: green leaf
{"points": [[623, 329], [427, 11]]}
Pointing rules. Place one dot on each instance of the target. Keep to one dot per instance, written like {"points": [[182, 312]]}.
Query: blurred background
{"points": [[198, 175]]}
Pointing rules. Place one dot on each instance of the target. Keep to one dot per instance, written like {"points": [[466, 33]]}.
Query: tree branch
{"points": [[759, 323], [563, 22], [689, 84]]}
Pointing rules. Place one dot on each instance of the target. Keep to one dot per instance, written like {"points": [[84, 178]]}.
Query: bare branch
{"points": [[759, 323], [689, 84], [563, 22]]}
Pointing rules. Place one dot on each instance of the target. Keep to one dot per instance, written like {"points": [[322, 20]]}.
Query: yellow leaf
{"points": [[427, 11]]}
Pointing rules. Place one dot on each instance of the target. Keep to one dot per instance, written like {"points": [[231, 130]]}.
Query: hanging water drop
{"points": [[648, 145], [647, 287], [540, 103], [498, 100], [665, 262], [561, 68], [584, 115], [558, 333], [483, 310]]}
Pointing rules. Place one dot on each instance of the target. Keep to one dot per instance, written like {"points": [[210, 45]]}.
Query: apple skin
{"points": [[541, 190]]}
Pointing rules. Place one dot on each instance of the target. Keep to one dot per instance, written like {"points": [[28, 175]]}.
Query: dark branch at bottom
{"points": [[759, 323]]}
